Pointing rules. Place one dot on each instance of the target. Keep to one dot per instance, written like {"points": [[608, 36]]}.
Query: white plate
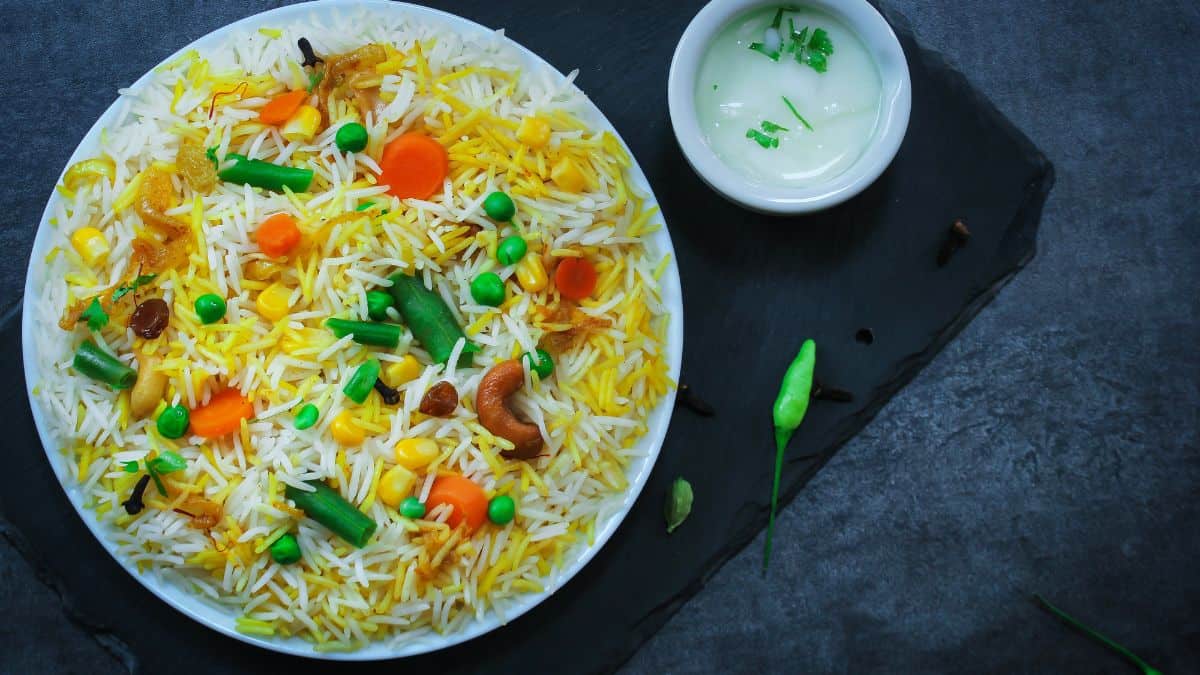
{"points": [[222, 618]]}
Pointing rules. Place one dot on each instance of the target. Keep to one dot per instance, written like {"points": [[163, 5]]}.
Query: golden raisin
{"points": [[440, 400]]}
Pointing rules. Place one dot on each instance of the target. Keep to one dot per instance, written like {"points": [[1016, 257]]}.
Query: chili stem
{"points": [[1071, 621]]}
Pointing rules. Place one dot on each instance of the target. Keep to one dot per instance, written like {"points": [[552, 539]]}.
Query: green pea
{"points": [[499, 207], [412, 508], [307, 416], [502, 509], [351, 137], [378, 303], [173, 422], [210, 307], [488, 289], [511, 250], [544, 366], [285, 550]]}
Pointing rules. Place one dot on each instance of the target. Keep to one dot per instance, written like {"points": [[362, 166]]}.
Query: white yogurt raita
{"points": [[740, 96]]}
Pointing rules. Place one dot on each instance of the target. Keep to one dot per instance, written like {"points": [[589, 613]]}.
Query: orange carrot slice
{"points": [[223, 414], [413, 165], [575, 278], [468, 499], [280, 108], [278, 235]]}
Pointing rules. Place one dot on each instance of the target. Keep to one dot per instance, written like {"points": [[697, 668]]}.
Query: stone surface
{"points": [[1051, 447]]}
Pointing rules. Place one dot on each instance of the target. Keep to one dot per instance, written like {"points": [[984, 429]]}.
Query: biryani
{"points": [[352, 326]]}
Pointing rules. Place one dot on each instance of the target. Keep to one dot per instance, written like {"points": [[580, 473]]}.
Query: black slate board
{"points": [[754, 288]]}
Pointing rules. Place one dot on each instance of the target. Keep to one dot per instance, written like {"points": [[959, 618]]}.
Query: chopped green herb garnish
{"points": [[678, 505], [816, 60], [130, 467], [796, 113], [142, 280], [758, 47], [95, 315], [167, 462], [770, 127], [314, 79], [813, 50], [762, 139], [820, 42], [778, 18]]}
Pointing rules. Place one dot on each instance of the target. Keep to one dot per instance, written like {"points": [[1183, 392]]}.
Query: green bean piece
{"points": [[260, 174], [790, 407], [544, 366], [285, 550], [330, 509], [98, 364], [378, 303], [307, 416], [511, 250], [360, 384], [173, 422], [430, 320], [351, 137], [366, 332]]}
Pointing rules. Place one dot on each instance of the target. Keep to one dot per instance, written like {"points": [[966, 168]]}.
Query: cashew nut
{"points": [[148, 389], [491, 403]]}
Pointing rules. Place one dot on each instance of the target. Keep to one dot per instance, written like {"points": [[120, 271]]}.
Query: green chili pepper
{"points": [[257, 173], [790, 407], [100, 365], [360, 384], [431, 321], [366, 332], [377, 305], [330, 509]]}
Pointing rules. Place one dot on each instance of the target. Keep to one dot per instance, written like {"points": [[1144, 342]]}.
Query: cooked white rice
{"points": [[414, 576]]}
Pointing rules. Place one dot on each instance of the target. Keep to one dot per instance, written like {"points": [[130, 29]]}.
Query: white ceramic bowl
{"points": [[880, 42], [222, 618]]}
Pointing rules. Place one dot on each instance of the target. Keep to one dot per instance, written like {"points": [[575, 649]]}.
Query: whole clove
{"points": [[955, 239], [134, 504], [820, 392], [693, 402], [390, 396], [310, 58]]}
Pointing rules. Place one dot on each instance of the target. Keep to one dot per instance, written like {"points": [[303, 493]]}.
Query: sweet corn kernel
{"points": [[272, 301], [567, 176], [404, 370], [260, 270], [531, 274], [91, 245], [534, 132], [395, 484], [414, 453], [345, 430], [302, 125]]}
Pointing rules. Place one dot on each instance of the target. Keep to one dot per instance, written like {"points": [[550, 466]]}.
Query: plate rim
{"points": [[218, 618]]}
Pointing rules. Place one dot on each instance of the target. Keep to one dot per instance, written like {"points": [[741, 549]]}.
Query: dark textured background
{"points": [[1052, 446]]}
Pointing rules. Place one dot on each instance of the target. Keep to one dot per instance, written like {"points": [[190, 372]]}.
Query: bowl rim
{"points": [[880, 41], [221, 618]]}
